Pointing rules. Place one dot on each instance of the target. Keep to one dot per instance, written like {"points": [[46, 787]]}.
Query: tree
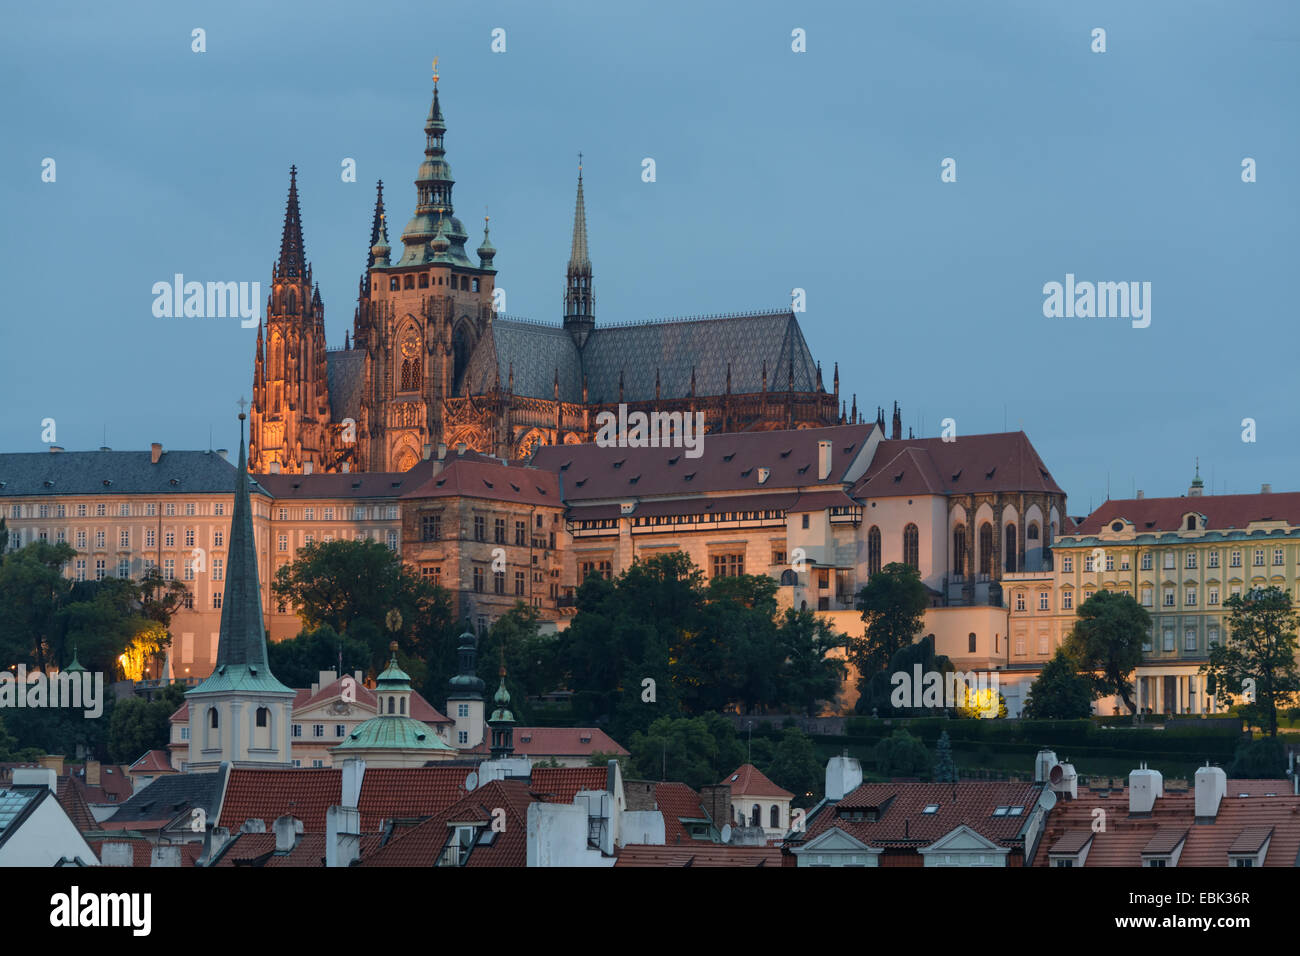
{"points": [[32, 589], [902, 755], [945, 771], [878, 693], [810, 674], [795, 767], [1258, 660], [160, 599], [893, 604], [696, 751], [1059, 692], [1263, 759], [138, 725], [298, 662], [1106, 643]]}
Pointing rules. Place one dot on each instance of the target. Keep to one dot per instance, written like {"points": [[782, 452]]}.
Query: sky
{"points": [[774, 170]]}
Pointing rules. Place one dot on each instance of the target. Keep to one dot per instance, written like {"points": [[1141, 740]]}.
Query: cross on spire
{"points": [[242, 403], [435, 71]]}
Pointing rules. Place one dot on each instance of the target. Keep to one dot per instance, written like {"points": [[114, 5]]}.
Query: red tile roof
{"points": [[398, 792], [74, 804], [730, 462], [153, 761], [423, 845], [1239, 822], [561, 784], [903, 821], [114, 785], [270, 794], [1221, 512], [374, 484], [698, 854], [565, 742], [749, 781], [492, 480], [678, 802], [1002, 461], [142, 850]]}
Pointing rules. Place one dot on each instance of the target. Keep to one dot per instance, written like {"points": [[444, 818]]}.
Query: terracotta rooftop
{"points": [[421, 709], [392, 792], [699, 854], [565, 742], [1001, 461], [142, 850], [270, 794], [749, 781], [492, 480], [678, 802], [1221, 512], [153, 761], [561, 784]]}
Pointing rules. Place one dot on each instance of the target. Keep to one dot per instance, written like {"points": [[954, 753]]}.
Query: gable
{"points": [[961, 840]]}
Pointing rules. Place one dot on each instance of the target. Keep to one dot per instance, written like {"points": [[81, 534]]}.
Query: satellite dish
{"points": [[726, 833], [1056, 775], [1047, 800], [471, 782]]}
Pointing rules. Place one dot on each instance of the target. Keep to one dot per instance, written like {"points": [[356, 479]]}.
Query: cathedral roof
{"points": [[673, 350], [345, 370], [487, 479], [1002, 461]]}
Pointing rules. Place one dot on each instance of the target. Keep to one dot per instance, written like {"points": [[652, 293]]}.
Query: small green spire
{"points": [[75, 667]]}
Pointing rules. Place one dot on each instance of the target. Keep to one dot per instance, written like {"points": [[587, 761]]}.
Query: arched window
{"points": [[1032, 532], [986, 548], [263, 716], [775, 817], [873, 551], [789, 578], [461, 347], [756, 816], [212, 717], [1011, 548], [959, 550], [410, 375], [402, 707], [293, 302], [392, 705], [970, 642], [912, 546]]}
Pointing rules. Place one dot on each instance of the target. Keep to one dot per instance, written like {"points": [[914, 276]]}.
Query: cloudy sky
{"points": [[775, 170]]}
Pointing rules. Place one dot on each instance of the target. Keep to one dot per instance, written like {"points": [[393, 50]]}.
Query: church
{"points": [[430, 362]]}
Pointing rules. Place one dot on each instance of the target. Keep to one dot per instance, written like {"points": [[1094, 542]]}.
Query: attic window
{"points": [[786, 453], [931, 808], [1117, 526], [440, 482], [1043, 472], [174, 482], [488, 483], [1150, 524], [849, 448], [296, 484], [565, 466], [734, 777], [619, 463], [107, 482], [1001, 811], [688, 476], [729, 457], [49, 483], [397, 484], [988, 475], [675, 459], [747, 472], [526, 739], [356, 484], [804, 468], [514, 486], [540, 489], [581, 483], [1015, 811], [956, 475], [898, 477]]}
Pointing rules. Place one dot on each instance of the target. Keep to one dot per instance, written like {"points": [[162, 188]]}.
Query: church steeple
{"points": [[579, 300], [502, 721], [433, 185], [293, 260], [378, 229]]}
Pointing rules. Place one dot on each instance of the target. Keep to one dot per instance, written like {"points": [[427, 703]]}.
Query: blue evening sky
{"points": [[775, 169]]}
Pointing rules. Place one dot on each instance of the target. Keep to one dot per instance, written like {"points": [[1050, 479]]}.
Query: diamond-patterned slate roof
{"points": [[670, 349], [345, 371]]}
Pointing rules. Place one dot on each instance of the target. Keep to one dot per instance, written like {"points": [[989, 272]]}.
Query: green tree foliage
{"points": [[529, 658], [794, 766], [945, 771], [811, 674], [298, 662], [893, 604], [353, 586], [697, 751], [902, 755], [1259, 760], [1106, 642], [1259, 655], [138, 725], [32, 590], [1059, 692], [878, 694]]}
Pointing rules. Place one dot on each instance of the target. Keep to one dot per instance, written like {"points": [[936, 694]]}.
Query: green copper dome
{"points": [[394, 733]]}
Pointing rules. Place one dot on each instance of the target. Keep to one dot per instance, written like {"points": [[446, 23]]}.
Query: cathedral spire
{"points": [[292, 258], [378, 227], [579, 301], [433, 185]]}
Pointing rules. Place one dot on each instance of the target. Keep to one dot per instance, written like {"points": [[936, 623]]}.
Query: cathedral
{"points": [[429, 361]]}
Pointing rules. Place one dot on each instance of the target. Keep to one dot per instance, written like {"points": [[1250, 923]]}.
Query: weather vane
{"points": [[435, 71], [242, 405]]}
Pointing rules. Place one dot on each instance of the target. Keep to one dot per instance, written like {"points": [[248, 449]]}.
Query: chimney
{"points": [[442, 451], [843, 776], [716, 800], [1043, 765], [155, 452], [342, 835], [214, 839], [165, 854], [460, 448], [1266, 489], [1144, 786], [92, 772], [426, 452], [286, 829], [117, 854], [53, 762], [253, 825], [823, 460], [224, 453], [275, 467], [354, 771], [1211, 786], [36, 777], [1141, 494], [306, 468], [56, 448]]}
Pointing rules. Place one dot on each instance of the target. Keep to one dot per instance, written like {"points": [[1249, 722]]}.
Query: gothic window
{"points": [[912, 546], [1032, 532], [461, 348], [293, 301], [410, 375], [959, 550], [986, 548], [873, 551], [1011, 548]]}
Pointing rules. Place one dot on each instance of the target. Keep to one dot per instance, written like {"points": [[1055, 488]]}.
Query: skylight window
{"points": [[1015, 811], [1001, 811], [931, 808]]}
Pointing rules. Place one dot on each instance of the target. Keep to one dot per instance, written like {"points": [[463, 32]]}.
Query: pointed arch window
{"points": [[873, 551], [1011, 549], [410, 381], [959, 550], [912, 546], [293, 301], [986, 548]]}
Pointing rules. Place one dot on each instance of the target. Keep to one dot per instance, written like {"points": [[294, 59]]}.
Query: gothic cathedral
{"points": [[429, 361]]}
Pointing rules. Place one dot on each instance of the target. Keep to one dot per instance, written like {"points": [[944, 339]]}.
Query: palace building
{"points": [[430, 361]]}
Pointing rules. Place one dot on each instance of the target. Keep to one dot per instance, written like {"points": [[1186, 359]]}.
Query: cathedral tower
{"points": [[291, 407], [579, 300]]}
